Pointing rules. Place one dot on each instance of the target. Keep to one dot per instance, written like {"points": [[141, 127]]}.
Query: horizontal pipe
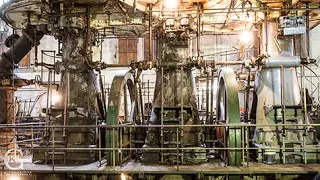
{"points": [[174, 148], [286, 62], [157, 126], [229, 63], [118, 65]]}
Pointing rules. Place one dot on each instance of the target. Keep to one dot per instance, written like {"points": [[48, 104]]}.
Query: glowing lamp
{"points": [[171, 4], [55, 98], [13, 178], [245, 37], [123, 176]]}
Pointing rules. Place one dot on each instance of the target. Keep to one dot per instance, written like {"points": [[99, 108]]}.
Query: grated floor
{"points": [[206, 168]]}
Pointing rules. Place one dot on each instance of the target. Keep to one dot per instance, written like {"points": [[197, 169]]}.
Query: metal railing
{"points": [[243, 127]]}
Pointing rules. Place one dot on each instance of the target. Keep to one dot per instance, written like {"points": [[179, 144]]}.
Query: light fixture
{"points": [[13, 177], [55, 97], [171, 4], [245, 37], [123, 176]]}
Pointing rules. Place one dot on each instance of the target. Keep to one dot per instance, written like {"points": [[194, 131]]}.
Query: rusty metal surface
{"points": [[174, 103], [83, 81], [78, 89]]}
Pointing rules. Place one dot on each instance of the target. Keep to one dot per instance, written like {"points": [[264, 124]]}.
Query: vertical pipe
{"points": [[66, 113], [198, 32], [202, 98], [150, 33], [308, 31], [102, 94], [189, 44], [101, 48], [283, 106], [53, 145], [247, 96], [162, 113], [88, 29], [303, 85], [247, 144], [68, 89], [99, 139], [148, 98], [125, 103], [121, 142], [211, 108], [138, 102], [181, 114], [65, 106], [141, 101], [41, 68], [242, 144], [211, 100], [207, 96], [127, 46], [25, 105], [32, 136], [54, 62], [266, 31], [113, 147], [199, 92], [177, 145], [48, 92], [35, 48]]}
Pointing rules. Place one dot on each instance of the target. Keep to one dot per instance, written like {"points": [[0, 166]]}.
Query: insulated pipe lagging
{"points": [[16, 53], [286, 62]]}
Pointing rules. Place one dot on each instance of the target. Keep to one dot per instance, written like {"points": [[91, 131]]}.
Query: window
{"points": [[3, 1], [127, 50]]}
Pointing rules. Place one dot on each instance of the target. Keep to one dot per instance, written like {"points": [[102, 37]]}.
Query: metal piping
{"points": [[247, 96], [283, 101], [150, 34], [17, 52], [286, 62], [198, 32], [266, 31], [308, 31]]}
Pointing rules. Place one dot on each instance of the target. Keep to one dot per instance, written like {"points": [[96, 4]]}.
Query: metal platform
{"points": [[213, 168]]}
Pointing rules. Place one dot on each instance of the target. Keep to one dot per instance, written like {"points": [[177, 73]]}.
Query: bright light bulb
{"points": [[55, 98], [123, 177], [171, 4], [13, 178], [245, 37]]}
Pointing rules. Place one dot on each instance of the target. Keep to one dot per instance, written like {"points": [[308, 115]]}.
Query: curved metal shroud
{"points": [[118, 113], [228, 112]]}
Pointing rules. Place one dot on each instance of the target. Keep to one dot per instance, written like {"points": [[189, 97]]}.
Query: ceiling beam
{"points": [[138, 6]]}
